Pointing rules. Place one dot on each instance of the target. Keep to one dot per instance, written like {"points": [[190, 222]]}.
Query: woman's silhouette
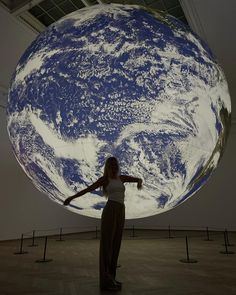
{"points": [[113, 218]]}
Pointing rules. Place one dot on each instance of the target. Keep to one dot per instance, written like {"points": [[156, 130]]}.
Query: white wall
{"points": [[23, 208], [14, 38], [215, 22]]}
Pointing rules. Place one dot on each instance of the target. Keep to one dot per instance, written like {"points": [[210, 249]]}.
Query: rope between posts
{"points": [[173, 229]]}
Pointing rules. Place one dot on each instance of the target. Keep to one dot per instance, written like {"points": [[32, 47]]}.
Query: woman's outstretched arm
{"points": [[90, 188], [128, 178]]}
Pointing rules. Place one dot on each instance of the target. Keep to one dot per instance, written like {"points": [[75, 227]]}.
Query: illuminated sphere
{"points": [[119, 80]]}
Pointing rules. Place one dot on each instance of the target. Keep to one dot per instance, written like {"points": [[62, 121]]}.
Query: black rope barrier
{"points": [[200, 234], [181, 232], [156, 228], [157, 235]]}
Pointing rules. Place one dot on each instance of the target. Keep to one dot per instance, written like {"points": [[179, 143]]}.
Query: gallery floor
{"points": [[149, 263]]}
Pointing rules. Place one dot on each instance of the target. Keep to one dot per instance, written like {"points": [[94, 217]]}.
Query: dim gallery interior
{"points": [[118, 144]]}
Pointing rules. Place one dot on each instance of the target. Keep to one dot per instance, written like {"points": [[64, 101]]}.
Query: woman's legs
{"points": [[120, 220], [112, 224], [107, 234]]}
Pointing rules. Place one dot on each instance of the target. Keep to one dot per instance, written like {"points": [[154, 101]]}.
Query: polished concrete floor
{"points": [[149, 263]]}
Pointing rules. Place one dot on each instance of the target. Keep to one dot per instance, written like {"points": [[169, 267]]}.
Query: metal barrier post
{"points": [[60, 236], [226, 246], [169, 233], [33, 244], [227, 239], [44, 253], [188, 260], [208, 235], [21, 246], [133, 234]]}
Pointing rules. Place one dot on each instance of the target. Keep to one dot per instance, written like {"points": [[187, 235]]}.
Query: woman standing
{"points": [[112, 222]]}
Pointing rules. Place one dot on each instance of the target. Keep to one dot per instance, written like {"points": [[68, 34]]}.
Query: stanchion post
{"points": [[227, 239], [60, 236], [21, 246], [169, 233], [133, 232], [208, 235], [96, 233], [44, 253], [188, 260], [33, 244], [226, 246]]}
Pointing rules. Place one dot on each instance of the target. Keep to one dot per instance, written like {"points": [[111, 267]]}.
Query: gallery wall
{"points": [[23, 208]]}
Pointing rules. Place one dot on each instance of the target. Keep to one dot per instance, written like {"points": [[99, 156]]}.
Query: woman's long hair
{"points": [[107, 172]]}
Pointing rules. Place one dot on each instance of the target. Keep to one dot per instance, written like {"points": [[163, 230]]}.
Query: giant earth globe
{"points": [[123, 81]]}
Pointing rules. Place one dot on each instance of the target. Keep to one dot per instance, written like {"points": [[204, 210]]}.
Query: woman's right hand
{"points": [[68, 200]]}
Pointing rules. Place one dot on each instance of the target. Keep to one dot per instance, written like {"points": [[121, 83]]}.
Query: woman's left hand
{"points": [[139, 185]]}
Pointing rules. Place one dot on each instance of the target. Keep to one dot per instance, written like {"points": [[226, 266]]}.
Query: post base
{"points": [[227, 252], [43, 260], [21, 252], [188, 260]]}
